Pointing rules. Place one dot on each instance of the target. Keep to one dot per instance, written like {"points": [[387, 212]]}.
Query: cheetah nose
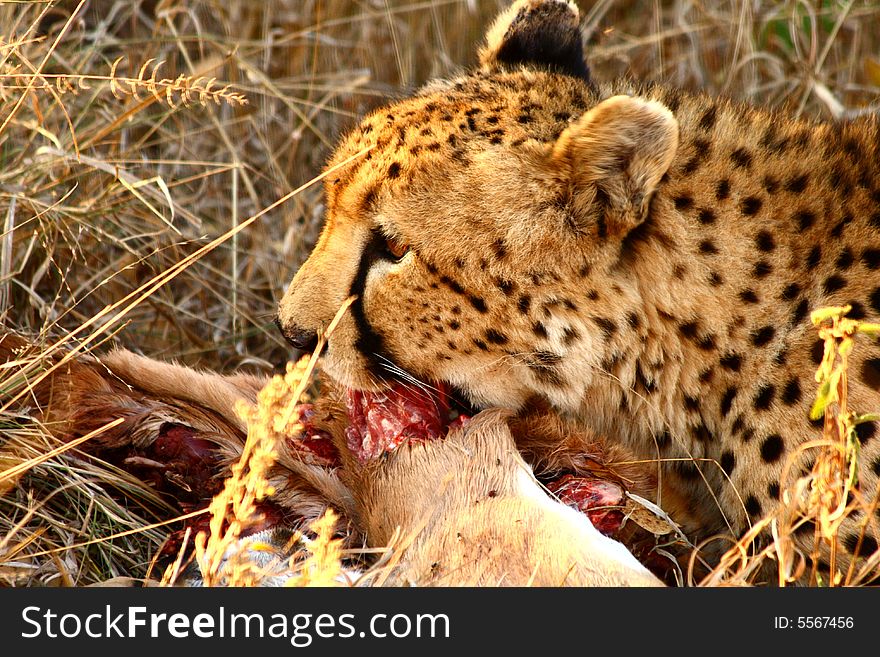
{"points": [[302, 339]]}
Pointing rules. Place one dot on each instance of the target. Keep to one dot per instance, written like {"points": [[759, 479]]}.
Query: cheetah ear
{"points": [[538, 33], [613, 158]]}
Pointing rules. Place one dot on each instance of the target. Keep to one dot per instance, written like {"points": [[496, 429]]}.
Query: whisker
{"points": [[411, 382], [405, 376]]}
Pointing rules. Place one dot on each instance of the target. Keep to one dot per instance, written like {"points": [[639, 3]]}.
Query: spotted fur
{"points": [[643, 259]]}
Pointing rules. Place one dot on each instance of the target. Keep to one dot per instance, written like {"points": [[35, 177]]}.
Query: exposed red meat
{"points": [[315, 445], [178, 462], [380, 421], [600, 500]]}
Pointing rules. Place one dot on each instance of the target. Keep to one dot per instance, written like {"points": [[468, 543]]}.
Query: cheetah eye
{"points": [[396, 248]]}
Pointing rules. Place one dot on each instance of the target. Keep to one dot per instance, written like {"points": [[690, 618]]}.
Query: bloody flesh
{"points": [[600, 500], [381, 421], [313, 444]]}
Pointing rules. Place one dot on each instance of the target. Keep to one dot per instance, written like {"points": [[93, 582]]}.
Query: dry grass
{"points": [[132, 134]]}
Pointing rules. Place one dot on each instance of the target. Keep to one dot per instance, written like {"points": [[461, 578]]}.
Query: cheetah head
{"points": [[464, 219]]}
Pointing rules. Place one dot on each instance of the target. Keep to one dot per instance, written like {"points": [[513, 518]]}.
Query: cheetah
{"points": [[642, 259]]}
